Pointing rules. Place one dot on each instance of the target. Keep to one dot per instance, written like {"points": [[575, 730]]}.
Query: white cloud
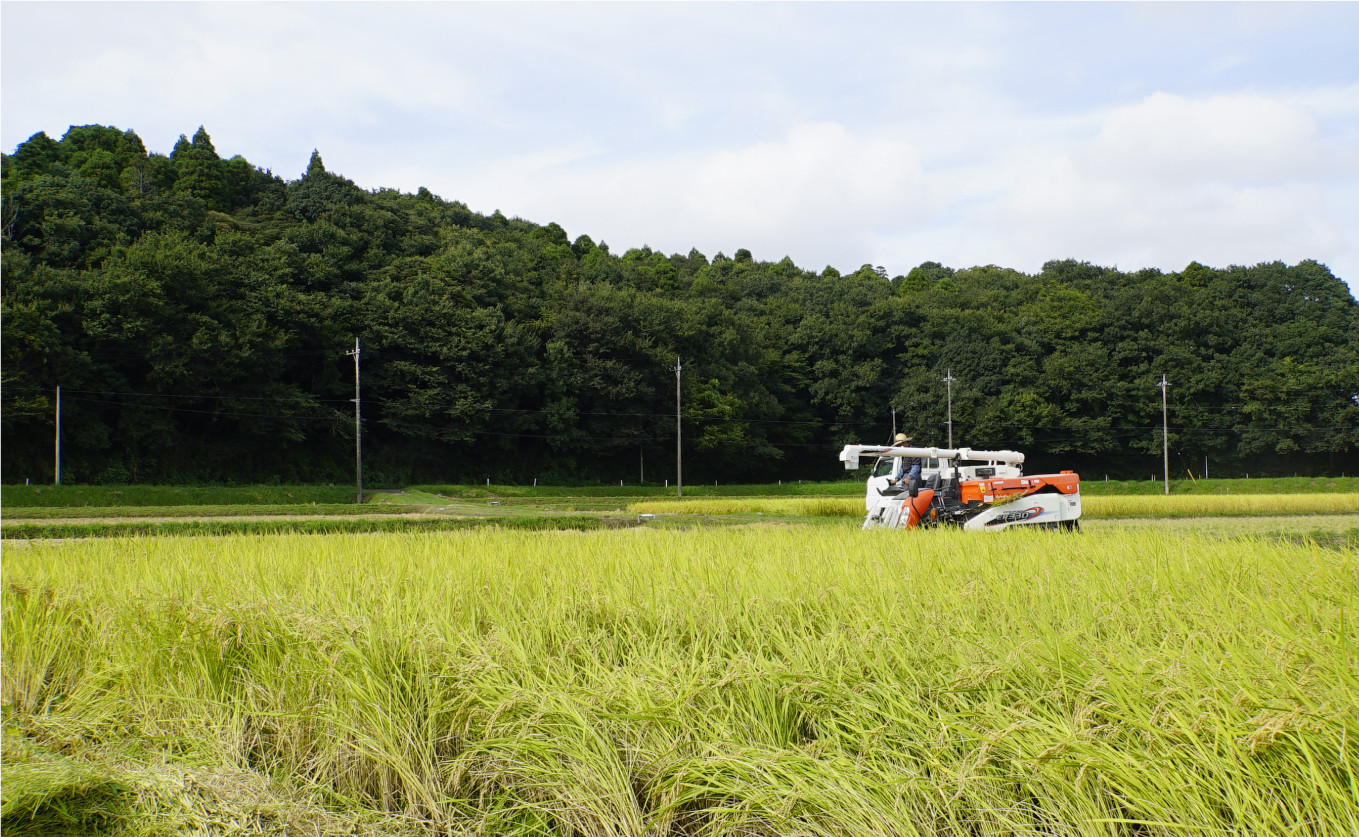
{"points": [[1224, 180], [1240, 138], [1157, 183], [820, 175], [818, 181]]}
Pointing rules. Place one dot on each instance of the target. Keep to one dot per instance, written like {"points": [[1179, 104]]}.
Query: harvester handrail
{"points": [[851, 453]]}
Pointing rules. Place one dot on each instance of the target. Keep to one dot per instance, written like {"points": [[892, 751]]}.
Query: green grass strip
{"points": [[1092, 486], [854, 487], [66, 496]]}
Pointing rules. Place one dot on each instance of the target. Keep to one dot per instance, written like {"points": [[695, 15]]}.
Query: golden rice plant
{"points": [[1204, 505], [648, 682], [782, 506]]}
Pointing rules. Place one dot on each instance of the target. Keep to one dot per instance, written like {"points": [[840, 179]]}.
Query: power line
{"points": [[394, 402], [98, 355], [1110, 431], [125, 405], [195, 396], [312, 400]]}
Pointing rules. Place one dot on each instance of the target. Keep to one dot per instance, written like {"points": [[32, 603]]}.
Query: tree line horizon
{"points": [[196, 312]]}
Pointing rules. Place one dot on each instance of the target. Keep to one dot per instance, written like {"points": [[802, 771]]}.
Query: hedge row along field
{"points": [[770, 681], [1176, 505]]}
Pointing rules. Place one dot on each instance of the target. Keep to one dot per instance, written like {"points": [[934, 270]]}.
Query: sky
{"points": [[1129, 135]]}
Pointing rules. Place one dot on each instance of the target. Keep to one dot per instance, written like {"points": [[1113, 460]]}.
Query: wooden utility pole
{"points": [[358, 428], [679, 450], [948, 381], [1165, 432], [56, 473]]}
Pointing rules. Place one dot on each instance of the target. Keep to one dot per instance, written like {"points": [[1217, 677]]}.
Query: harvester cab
{"points": [[974, 489]]}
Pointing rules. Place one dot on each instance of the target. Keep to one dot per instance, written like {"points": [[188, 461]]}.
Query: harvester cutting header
{"points": [[988, 494]]}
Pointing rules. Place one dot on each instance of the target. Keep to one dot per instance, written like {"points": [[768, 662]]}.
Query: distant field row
{"points": [[1335, 531], [1290, 521], [1192, 505], [1115, 506], [275, 510], [301, 495]]}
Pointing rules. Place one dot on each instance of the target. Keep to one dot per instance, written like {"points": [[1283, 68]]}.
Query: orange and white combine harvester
{"points": [[987, 494]]}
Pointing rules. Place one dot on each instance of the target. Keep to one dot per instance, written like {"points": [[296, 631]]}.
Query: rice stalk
{"points": [[815, 681]]}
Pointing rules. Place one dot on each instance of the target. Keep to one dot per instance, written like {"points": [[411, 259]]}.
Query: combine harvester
{"points": [[989, 495]]}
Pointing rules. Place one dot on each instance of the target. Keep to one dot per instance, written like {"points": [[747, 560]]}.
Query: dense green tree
{"points": [[196, 312]]}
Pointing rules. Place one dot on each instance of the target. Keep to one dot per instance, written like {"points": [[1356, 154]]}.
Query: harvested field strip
{"points": [[171, 495], [1176, 505], [782, 506], [809, 681], [336, 525], [319, 509], [1190, 505]]}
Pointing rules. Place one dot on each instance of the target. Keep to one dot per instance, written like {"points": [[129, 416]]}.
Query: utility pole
{"points": [[679, 451], [358, 428], [56, 474], [1165, 432], [948, 380], [894, 424]]}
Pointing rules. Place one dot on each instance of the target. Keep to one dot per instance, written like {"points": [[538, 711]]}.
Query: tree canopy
{"points": [[196, 312]]}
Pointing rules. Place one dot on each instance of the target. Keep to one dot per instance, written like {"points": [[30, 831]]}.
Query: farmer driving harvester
{"points": [[907, 471]]}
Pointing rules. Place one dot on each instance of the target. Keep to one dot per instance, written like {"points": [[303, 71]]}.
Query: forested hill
{"points": [[196, 312]]}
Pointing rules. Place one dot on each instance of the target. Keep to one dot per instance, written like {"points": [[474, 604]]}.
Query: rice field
{"points": [[753, 681], [1175, 505], [1196, 505], [782, 506]]}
